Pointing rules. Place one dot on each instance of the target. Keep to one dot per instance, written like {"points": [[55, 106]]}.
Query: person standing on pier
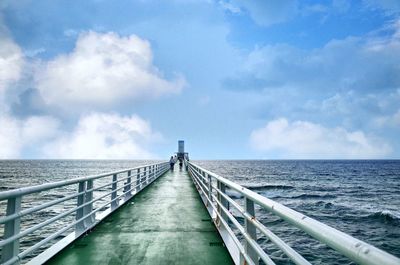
{"points": [[171, 163], [180, 163]]}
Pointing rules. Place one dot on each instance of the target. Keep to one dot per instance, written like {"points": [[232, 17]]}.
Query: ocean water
{"points": [[358, 197]]}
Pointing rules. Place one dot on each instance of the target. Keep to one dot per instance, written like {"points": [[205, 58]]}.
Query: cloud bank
{"points": [[17, 134], [103, 69], [105, 136], [355, 63], [302, 139]]}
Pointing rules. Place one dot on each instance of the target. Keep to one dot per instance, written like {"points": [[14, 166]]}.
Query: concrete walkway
{"points": [[164, 224]]}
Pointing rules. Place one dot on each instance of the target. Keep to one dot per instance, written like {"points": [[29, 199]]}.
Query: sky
{"points": [[235, 79]]}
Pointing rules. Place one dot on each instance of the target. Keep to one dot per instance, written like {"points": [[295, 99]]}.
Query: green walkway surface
{"points": [[164, 224]]}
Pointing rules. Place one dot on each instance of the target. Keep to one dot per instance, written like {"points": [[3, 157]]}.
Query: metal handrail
{"points": [[57, 184], [223, 221], [86, 216], [218, 202]]}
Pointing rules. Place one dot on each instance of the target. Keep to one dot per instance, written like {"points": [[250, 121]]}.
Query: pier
{"points": [[164, 224], [154, 215]]}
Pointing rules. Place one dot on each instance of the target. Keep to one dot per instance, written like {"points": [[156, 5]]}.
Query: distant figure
{"points": [[171, 163], [180, 162]]}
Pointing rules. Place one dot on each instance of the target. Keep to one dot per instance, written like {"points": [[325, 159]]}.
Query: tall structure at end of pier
{"points": [[181, 150]]}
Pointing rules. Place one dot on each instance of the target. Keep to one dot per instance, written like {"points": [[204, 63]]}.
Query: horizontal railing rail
{"points": [[85, 213], [212, 188]]}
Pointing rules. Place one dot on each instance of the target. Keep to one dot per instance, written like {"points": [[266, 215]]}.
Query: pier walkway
{"points": [[164, 224]]}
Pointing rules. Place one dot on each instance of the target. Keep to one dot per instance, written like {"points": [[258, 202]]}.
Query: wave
{"points": [[326, 205], [385, 216], [268, 186], [327, 174], [326, 188], [301, 196], [313, 196]]}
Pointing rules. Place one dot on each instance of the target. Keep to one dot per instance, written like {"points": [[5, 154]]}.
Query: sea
{"points": [[358, 197]]}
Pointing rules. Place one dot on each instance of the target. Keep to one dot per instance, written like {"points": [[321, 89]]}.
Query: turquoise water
{"points": [[361, 198]]}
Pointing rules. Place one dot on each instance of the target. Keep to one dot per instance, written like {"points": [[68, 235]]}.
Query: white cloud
{"points": [[391, 120], [359, 63], [11, 60], [268, 12], [17, 134], [103, 136], [97, 136], [366, 111], [103, 69], [37, 128], [10, 140], [302, 139]]}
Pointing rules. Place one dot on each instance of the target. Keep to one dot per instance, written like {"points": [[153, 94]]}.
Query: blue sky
{"points": [[233, 78]]}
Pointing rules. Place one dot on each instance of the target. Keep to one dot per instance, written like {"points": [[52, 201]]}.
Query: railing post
{"points": [[224, 202], [89, 208], [209, 188], [80, 226], [143, 178], [128, 185], [11, 228], [114, 203], [251, 230], [221, 186], [138, 180], [147, 175]]}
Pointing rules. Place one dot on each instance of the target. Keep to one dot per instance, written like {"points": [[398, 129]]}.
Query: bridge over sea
{"points": [[154, 215]]}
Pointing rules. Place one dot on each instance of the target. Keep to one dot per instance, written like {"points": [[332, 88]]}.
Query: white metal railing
{"points": [[212, 189], [124, 184]]}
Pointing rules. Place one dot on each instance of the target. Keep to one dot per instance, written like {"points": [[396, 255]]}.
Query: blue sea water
{"points": [[358, 197]]}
